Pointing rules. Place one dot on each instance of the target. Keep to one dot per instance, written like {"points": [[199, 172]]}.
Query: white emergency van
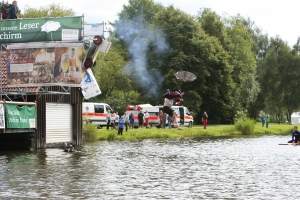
{"points": [[152, 110], [96, 112], [184, 117]]}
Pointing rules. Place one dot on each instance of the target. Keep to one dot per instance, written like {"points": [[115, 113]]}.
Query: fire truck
{"points": [[152, 110]]}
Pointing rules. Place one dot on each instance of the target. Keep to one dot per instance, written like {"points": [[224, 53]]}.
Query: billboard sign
{"points": [[90, 30], [2, 116], [20, 116], [44, 64], [41, 29], [89, 85]]}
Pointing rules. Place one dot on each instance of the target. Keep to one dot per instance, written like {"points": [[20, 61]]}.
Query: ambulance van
{"points": [[95, 112], [184, 117]]}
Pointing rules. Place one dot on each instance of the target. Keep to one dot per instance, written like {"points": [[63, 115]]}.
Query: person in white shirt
{"points": [[170, 97], [146, 115], [126, 119], [108, 117], [117, 117]]}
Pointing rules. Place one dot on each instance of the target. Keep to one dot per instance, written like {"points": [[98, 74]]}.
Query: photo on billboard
{"points": [[44, 65]]}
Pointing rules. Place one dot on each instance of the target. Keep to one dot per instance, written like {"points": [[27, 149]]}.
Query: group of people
{"points": [[265, 120], [10, 11], [67, 147], [113, 120], [163, 119], [116, 121]]}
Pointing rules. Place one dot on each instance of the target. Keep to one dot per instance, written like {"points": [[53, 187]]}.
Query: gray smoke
{"points": [[139, 37]]}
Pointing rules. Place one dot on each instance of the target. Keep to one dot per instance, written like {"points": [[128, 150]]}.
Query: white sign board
{"points": [[2, 117], [93, 29]]}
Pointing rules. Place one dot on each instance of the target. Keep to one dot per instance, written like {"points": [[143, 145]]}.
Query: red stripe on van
{"points": [[94, 114]]}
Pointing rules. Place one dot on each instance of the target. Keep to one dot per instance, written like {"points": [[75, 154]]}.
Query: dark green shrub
{"points": [[246, 126], [89, 131], [111, 136]]}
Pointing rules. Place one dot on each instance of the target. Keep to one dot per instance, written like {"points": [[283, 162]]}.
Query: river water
{"points": [[227, 168]]}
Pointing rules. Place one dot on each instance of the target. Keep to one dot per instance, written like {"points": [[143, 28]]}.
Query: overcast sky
{"points": [[274, 17]]}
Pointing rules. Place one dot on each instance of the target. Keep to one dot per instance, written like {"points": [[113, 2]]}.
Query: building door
{"points": [[58, 123]]}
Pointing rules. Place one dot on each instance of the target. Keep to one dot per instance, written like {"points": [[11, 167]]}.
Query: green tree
{"points": [[192, 50], [51, 10], [243, 59], [279, 70]]}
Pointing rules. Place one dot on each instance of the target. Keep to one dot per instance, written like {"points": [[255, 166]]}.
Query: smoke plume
{"points": [[139, 37]]}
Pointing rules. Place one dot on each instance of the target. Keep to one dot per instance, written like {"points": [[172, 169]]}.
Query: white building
{"points": [[295, 118]]}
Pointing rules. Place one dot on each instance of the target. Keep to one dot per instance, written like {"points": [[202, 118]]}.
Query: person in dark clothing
{"points": [[131, 120], [141, 119], [13, 10], [5, 9], [296, 135]]}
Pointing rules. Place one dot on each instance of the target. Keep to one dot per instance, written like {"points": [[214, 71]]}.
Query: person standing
{"points": [[117, 117], [164, 119], [108, 117], [267, 121], [112, 121], [5, 9], [13, 10], [263, 120], [121, 123], [141, 119], [169, 121], [146, 115], [204, 119], [131, 120], [126, 119], [160, 117]]}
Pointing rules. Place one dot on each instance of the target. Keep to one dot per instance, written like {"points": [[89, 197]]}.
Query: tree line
{"points": [[238, 68]]}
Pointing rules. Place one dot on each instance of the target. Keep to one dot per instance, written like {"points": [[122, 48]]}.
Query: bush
{"points": [[246, 126], [111, 136], [89, 131]]}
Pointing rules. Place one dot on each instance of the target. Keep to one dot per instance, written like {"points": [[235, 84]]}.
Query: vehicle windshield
{"points": [[109, 108], [187, 111]]}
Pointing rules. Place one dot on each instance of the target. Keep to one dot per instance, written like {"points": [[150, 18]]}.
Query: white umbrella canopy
{"points": [[50, 26], [185, 76]]}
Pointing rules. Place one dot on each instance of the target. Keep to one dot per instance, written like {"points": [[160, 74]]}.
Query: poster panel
{"points": [[41, 29], [20, 116], [89, 85], [44, 65], [2, 117]]}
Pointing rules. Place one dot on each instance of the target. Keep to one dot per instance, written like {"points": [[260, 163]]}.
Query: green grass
{"points": [[196, 131]]}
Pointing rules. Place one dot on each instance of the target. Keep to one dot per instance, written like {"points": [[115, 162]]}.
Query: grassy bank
{"points": [[194, 132]]}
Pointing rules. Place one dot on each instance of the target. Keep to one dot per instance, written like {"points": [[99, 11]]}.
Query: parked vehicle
{"points": [[184, 117], [96, 112], [152, 110]]}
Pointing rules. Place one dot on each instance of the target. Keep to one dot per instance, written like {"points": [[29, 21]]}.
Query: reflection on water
{"points": [[243, 168]]}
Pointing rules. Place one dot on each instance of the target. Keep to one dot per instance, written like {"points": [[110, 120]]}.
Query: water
{"points": [[232, 168]]}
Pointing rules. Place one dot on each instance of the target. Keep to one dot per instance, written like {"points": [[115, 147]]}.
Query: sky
{"points": [[274, 17]]}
